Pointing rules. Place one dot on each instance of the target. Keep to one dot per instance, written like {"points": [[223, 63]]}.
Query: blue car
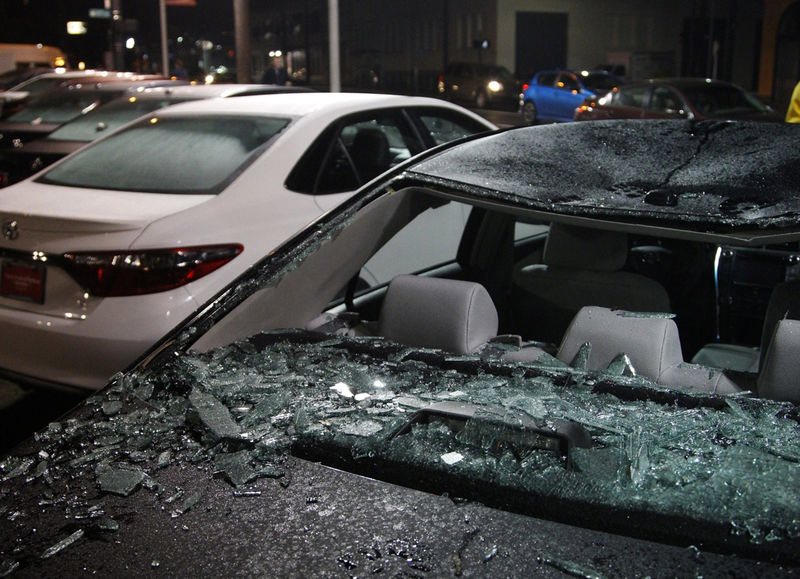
{"points": [[553, 95]]}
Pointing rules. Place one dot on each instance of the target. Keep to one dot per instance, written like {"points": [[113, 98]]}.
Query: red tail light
{"points": [[525, 86], [120, 273]]}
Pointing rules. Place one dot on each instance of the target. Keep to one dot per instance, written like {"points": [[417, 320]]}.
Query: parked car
{"points": [[479, 85], [692, 98], [53, 108], [600, 81], [294, 429], [153, 220], [33, 156], [553, 95], [17, 97], [12, 78]]}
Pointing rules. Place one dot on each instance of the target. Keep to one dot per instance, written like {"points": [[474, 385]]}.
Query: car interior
{"points": [[427, 272]]}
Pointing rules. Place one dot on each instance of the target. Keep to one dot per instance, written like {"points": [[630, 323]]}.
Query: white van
{"points": [[14, 56]]}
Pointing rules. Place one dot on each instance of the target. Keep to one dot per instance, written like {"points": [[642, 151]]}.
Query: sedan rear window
{"points": [[169, 155]]}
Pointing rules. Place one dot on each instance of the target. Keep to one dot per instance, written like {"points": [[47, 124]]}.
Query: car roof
{"points": [[680, 82], [555, 71], [717, 181], [202, 91], [304, 104], [113, 84]]}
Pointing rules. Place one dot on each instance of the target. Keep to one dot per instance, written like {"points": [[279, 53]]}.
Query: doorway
{"points": [[541, 42]]}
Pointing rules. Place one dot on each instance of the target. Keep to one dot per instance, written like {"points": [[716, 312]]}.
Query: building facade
{"points": [[403, 46]]}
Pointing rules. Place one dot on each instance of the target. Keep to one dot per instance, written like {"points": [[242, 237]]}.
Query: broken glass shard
{"points": [[63, 544], [120, 481], [212, 416]]}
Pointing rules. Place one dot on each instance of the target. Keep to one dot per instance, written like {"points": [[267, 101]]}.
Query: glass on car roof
{"points": [[707, 176]]}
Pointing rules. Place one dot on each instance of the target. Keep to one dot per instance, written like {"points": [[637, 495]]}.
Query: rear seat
{"points": [[650, 341]]}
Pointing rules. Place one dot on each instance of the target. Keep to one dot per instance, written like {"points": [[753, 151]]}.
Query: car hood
{"points": [[706, 176], [320, 522], [43, 211]]}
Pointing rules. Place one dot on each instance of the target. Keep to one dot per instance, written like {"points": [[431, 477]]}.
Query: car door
{"points": [[545, 93], [568, 96]]}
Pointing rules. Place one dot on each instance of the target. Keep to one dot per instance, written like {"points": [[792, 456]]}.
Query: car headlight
{"points": [[494, 86]]}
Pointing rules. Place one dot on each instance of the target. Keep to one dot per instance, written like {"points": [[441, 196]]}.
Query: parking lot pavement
{"points": [[502, 119], [23, 411]]}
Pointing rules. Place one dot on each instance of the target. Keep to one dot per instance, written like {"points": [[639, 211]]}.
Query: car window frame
{"points": [[415, 114], [674, 94], [319, 154], [574, 85], [625, 90]]}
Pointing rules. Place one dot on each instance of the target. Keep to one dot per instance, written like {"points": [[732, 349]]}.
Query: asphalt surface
{"points": [[24, 411]]}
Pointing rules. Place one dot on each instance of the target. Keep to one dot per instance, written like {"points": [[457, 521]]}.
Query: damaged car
{"points": [[585, 364]]}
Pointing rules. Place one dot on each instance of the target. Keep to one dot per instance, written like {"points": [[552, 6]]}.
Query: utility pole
{"points": [[162, 13], [241, 27], [333, 46], [116, 39]]}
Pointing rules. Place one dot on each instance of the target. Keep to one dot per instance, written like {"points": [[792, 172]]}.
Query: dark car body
{"points": [[479, 85], [285, 430], [31, 156], [691, 98], [552, 95]]}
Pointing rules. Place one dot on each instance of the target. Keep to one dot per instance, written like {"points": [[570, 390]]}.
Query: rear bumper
{"points": [[84, 354]]}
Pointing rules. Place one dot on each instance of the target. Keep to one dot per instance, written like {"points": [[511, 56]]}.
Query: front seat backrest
{"points": [[581, 267], [370, 153], [650, 342], [452, 315]]}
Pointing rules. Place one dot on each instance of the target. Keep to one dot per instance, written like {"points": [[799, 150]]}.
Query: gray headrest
{"points": [[650, 341], [451, 315], [779, 378], [573, 247]]}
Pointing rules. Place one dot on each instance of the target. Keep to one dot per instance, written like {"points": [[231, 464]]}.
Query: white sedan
{"points": [[112, 247]]}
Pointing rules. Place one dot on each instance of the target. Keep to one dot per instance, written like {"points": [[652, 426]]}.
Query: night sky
{"points": [[34, 21]]}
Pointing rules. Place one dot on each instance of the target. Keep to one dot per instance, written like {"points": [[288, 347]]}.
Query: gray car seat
{"points": [[581, 267], [452, 315], [599, 336]]}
